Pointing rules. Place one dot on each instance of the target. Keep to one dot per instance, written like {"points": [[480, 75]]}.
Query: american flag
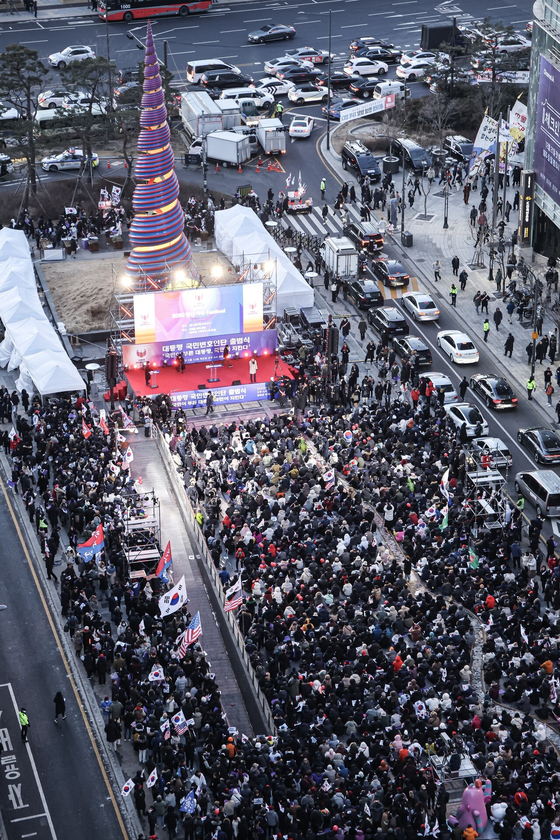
{"points": [[179, 723], [234, 597], [191, 634]]}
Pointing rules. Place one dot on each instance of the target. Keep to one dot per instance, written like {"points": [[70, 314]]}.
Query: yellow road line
{"points": [[64, 660]]}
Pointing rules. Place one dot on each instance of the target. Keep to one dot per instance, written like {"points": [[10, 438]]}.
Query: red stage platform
{"points": [[169, 380]]}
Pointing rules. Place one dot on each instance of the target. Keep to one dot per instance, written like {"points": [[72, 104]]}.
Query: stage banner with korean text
{"points": [[196, 350], [222, 396]]}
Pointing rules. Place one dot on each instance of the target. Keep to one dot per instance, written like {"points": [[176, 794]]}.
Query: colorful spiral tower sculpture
{"points": [[157, 231]]}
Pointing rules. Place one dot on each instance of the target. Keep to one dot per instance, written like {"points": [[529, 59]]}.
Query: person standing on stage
{"points": [[226, 356], [180, 362], [253, 367]]}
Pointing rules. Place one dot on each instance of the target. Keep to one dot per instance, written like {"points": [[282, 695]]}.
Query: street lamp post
{"points": [[445, 205], [403, 196], [329, 64], [525, 272]]}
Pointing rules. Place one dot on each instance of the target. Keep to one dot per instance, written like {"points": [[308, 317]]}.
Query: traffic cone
{"points": [[277, 167], [217, 168], [125, 165], [257, 169], [269, 167], [260, 161], [108, 164], [239, 170]]}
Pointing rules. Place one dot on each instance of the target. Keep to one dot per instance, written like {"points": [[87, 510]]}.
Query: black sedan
{"points": [[299, 74], [363, 87], [389, 56], [339, 80], [388, 320], [494, 390], [365, 293], [410, 346], [392, 273], [271, 32], [367, 41], [543, 443]]}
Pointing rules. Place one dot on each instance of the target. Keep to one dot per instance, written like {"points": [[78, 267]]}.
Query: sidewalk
{"points": [[47, 10], [432, 242]]}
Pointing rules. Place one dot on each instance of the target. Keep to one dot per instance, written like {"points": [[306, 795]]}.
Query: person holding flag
{"points": [[164, 564], [92, 547], [234, 597]]}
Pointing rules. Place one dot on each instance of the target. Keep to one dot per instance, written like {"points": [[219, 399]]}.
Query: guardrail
{"points": [[190, 522]]}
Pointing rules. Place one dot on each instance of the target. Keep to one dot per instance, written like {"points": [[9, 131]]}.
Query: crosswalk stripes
{"points": [[313, 223]]}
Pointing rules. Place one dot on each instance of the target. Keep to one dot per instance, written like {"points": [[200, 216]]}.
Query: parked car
{"points": [[301, 127], [469, 414], [512, 43], [495, 391], [441, 380], [410, 56], [388, 320], [357, 157], [365, 67], [459, 147], [364, 235], [70, 55], [392, 273], [218, 80], [410, 346], [299, 75], [70, 159], [365, 294], [542, 443], [415, 156], [421, 306], [275, 87], [495, 448], [301, 94], [338, 80], [458, 346], [53, 98], [413, 72], [364, 88], [271, 32], [311, 54]]}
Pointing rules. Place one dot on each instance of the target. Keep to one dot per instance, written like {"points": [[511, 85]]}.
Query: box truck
{"points": [[441, 35], [227, 148], [200, 114], [271, 134], [341, 256]]}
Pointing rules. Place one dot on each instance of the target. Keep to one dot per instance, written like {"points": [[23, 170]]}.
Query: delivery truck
{"points": [[271, 134], [227, 148], [200, 114], [340, 255]]}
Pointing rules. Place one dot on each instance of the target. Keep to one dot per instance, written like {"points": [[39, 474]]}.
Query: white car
{"points": [[512, 43], [417, 70], [8, 112], [70, 159], [421, 306], [301, 127], [53, 98], [285, 62], [365, 67], [310, 54], [274, 86], [441, 380], [70, 55], [458, 346], [500, 456], [307, 92], [83, 104], [470, 414], [261, 98], [422, 55]]}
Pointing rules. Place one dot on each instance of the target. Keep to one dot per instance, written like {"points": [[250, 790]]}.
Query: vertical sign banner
{"points": [[547, 131], [526, 207]]}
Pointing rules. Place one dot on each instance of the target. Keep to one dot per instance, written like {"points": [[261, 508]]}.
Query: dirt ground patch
{"points": [[82, 292]]}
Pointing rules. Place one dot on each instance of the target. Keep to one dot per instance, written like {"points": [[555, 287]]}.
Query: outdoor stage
{"points": [[184, 387]]}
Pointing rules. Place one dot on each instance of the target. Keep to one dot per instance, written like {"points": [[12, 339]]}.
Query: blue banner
{"points": [[222, 396]]}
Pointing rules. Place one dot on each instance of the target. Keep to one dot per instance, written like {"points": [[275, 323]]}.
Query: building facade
{"points": [[542, 149]]}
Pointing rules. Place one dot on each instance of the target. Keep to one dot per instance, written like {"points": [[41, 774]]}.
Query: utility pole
{"points": [[495, 199], [165, 53], [329, 329], [445, 204], [403, 195], [329, 86], [109, 74], [204, 163]]}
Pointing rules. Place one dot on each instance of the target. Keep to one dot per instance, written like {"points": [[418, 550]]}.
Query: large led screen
{"points": [[547, 131], [196, 313]]}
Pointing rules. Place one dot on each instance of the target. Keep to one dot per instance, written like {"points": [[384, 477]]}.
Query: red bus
{"points": [[129, 10]]}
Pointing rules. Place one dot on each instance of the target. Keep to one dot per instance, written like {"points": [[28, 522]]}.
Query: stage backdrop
{"points": [[200, 349], [194, 313]]}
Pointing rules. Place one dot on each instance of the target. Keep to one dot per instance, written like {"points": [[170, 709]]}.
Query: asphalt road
{"points": [[51, 788], [222, 32]]}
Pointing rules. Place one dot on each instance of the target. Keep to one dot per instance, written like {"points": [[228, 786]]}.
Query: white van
{"points": [[261, 98], [196, 69], [398, 89]]}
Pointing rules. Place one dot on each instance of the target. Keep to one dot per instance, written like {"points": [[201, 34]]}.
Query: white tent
{"points": [[30, 342], [242, 237]]}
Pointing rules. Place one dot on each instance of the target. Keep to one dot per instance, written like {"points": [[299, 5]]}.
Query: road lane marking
{"points": [[226, 31], [34, 817], [64, 659]]}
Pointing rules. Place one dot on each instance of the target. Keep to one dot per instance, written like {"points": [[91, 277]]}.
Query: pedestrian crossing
{"points": [[314, 224]]}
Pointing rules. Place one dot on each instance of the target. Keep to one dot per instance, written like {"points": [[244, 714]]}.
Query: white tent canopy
{"points": [[31, 342], [243, 238]]}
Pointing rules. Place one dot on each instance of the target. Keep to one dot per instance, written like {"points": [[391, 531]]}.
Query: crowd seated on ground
{"points": [[363, 602]]}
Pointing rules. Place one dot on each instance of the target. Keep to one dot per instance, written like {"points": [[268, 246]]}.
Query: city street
{"points": [[54, 787]]}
